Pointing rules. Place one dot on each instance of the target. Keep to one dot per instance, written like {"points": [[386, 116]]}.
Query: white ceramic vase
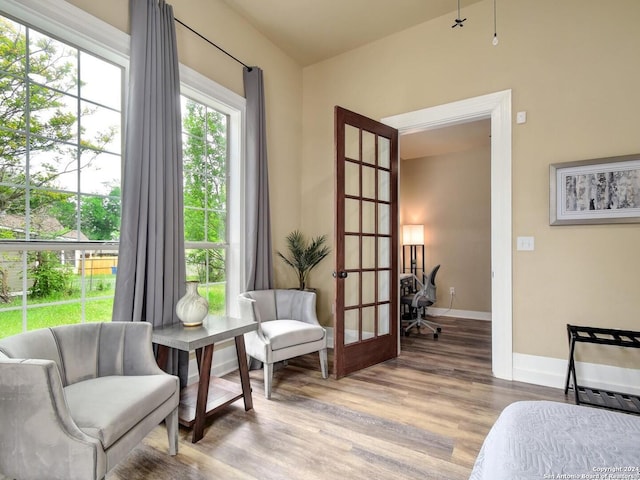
{"points": [[192, 308]]}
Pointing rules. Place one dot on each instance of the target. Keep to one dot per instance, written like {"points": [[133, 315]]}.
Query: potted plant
{"points": [[304, 256]]}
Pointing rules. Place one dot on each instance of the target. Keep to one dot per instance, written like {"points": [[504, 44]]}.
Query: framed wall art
{"points": [[600, 190]]}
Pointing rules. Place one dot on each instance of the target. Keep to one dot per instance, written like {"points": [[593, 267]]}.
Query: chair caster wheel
{"points": [[439, 329], [435, 336], [406, 334]]}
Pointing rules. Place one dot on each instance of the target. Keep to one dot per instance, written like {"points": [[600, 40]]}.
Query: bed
{"points": [[551, 440]]}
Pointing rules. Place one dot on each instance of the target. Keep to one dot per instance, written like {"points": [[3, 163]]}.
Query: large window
{"points": [[204, 147], [61, 119], [60, 164]]}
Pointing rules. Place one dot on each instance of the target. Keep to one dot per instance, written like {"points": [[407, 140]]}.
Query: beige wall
{"points": [[572, 66], [283, 90], [451, 196]]}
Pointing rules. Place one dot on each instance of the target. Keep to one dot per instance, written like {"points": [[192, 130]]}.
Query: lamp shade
{"points": [[413, 234]]}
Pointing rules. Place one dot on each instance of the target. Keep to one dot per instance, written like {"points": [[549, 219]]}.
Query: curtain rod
{"points": [[210, 42]]}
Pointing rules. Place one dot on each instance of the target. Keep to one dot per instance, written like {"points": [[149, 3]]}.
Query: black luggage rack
{"points": [[597, 397]]}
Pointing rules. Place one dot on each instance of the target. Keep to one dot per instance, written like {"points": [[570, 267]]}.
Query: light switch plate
{"points": [[525, 243]]}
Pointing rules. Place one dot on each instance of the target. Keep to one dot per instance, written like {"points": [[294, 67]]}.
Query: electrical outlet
{"points": [[452, 290]]}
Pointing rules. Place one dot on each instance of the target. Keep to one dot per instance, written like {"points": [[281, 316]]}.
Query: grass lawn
{"points": [[96, 310]]}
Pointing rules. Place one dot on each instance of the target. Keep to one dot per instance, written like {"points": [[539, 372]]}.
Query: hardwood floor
{"points": [[422, 415]]}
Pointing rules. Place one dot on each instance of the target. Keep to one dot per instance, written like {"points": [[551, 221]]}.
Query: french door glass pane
{"points": [[368, 148], [368, 252], [352, 290], [351, 326], [368, 182], [384, 219], [352, 179], [384, 152], [351, 215], [384, 319], [384, 286], [368, 322], [384, 186], [351, 252], [368, 217], [384, 252], [351, 142], [368, 287]]}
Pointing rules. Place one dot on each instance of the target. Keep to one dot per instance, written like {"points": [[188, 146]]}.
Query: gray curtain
{"points": [[258, 253], [151, 263]]}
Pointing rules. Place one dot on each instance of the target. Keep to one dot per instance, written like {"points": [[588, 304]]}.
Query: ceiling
{"points": [[310, 31]]}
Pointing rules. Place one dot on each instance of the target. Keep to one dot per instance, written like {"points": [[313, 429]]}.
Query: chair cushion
{"points": [[286, 333], [108, 407]]}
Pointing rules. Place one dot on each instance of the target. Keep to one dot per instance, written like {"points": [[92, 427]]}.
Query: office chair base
{"points": [[435, 328]]}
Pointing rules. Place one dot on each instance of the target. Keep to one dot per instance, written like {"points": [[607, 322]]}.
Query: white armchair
{"points": [[287, 327]]}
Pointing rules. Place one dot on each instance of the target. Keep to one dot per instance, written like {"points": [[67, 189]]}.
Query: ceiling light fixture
{"points": [[495, 23], [459, 21]]}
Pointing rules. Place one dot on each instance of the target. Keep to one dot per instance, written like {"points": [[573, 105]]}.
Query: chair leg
{"points": [[323, 362], [171, 422], [268, 378]]}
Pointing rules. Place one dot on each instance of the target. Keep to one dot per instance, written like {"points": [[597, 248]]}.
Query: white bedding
{"points": [[550, 440]]}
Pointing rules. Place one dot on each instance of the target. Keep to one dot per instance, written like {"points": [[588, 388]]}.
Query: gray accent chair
{"points": [[287, 327], [76, 399]]}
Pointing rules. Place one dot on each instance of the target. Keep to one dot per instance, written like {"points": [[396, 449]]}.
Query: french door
{"points": [[366, 269]]}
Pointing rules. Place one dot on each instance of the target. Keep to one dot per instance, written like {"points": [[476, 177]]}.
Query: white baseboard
{"points": [[551, 372], [470, 314]]}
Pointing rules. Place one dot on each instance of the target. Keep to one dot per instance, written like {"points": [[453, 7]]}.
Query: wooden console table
{"points": [[210, 394], [597, 397]]}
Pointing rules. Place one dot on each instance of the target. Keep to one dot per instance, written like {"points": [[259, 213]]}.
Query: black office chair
{"points": [[419, 301]]}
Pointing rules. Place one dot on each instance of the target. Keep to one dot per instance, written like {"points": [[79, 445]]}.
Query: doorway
{"points": [[497, 107], [445, 191]]}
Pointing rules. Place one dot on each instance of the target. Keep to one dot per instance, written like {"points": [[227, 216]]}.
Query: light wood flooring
{"points": [[422, 415]]}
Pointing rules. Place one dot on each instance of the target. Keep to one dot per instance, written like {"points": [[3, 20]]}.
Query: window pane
{"points": [[53, 164], [100, 81], [100, 217], [217, 193], [13, 95], [13, 164], [14, 46], [52, 114], [52, 63], [217, 223], [11, 288], [100, 172], [100, 128], [208, 267], [194, 224]]}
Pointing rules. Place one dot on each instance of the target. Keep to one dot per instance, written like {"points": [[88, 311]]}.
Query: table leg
{"points": [[163, 357], [244, 372], [203, 391]]}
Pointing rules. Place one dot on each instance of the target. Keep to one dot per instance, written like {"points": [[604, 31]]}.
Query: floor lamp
{"points": [[412, 240]]}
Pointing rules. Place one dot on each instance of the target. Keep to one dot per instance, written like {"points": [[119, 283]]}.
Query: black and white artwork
{"points": [[596, 191]]}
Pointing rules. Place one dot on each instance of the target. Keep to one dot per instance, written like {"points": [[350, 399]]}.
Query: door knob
{"points": [[340, 274]]}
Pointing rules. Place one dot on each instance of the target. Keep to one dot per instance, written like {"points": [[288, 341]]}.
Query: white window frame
{"points": [[77, 27]]}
